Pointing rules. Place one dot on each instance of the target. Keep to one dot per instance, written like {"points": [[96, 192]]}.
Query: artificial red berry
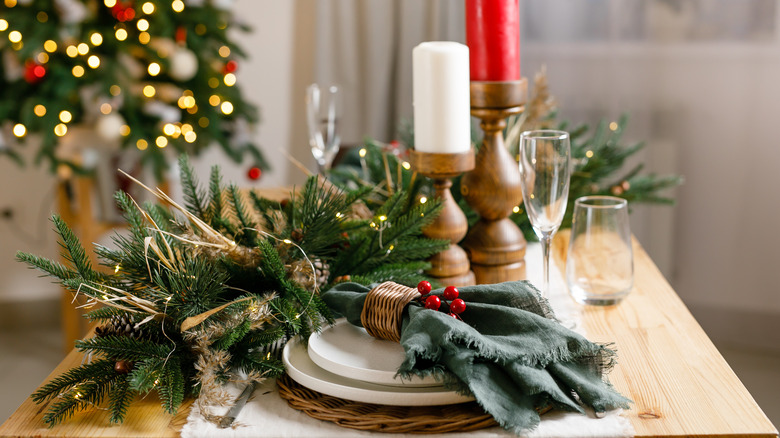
{"points": [[424, 287], [453, 315], [254, 173], [451, 292], [457, 306], [433, 302]]}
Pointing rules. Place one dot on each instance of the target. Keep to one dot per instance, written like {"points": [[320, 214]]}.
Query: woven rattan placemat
{"points": [[382, 418]]}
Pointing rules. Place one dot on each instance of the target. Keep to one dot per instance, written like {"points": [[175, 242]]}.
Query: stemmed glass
{"points": [[322, 119], [545, 171]]}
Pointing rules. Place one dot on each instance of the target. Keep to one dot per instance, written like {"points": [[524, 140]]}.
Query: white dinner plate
{"points": [[349, 351], [301, 369]]}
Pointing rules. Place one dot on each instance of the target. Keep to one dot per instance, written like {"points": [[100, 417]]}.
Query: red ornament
{"points": [[254, 173], [123, 11], [33, 72], [451, 292], [181, 34], [457, 306], [433, 302], [231, 66], [424, 287]]}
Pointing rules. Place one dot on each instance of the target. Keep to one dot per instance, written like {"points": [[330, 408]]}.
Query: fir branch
{"points": [[119, 398], [232, 336], [99, 368], [75, 252], [194, 197], [215, 196], [145, 375], [172, 386], [239, 208], [124, 347], [48, 267]]}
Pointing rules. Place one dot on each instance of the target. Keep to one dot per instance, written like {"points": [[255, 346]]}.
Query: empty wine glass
{"points": [[545, 172], [322, 119]]}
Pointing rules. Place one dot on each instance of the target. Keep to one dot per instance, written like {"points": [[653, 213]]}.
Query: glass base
{"points": [[595, 300]]}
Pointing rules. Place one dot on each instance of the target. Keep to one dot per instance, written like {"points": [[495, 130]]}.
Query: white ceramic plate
{"points": [[301, 369], [349, 351]]}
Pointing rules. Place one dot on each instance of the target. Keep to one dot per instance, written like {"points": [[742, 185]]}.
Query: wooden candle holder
{"points": [[450, 266], [495, 244]]}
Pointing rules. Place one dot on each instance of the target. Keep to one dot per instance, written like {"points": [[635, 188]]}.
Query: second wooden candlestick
{"points": [[450, 266]]}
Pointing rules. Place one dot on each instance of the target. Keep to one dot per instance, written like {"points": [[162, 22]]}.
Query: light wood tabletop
{"points": [[680, 384]]}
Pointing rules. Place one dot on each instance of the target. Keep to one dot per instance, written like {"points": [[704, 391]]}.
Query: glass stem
{"points": [[546, 241]]}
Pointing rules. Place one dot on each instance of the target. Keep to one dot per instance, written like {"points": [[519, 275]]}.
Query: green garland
{"points": [[196, 293]]}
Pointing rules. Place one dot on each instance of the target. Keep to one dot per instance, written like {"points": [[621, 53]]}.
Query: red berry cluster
{"points": [[433, 302]]}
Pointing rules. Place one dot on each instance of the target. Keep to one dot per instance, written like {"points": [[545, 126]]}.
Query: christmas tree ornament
{"points": [[230, 66], [183, 64], [33, 72], [123, 366], [71, 11], [109, 126], [254, 173], [181, 35]]}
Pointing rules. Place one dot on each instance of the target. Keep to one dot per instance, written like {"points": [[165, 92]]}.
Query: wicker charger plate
{"points": [[381, 418]]}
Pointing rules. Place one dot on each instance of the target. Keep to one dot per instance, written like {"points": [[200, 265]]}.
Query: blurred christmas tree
{"points": [[145, 74]]}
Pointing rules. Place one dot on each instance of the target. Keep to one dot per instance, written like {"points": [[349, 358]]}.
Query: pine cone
{"points": [[300, 272], [120, 325]]}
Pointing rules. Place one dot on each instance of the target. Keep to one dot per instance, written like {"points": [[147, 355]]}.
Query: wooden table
{"points": [[679, 382]]}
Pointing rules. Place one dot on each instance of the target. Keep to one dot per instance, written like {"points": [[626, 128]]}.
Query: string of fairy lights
{"points": [[168, 66]]}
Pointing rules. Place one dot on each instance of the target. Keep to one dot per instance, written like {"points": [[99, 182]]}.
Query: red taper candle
{"points": [[493, 37]]}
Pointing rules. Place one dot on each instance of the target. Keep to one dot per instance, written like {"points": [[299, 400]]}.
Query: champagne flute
{"points": [[321, 118], [545, 173]]}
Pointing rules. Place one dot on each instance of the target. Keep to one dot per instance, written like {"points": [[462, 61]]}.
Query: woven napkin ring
{"points": [[383, 310]]}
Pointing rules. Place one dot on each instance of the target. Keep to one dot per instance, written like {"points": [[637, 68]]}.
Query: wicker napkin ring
{"points": [[383, 310]]}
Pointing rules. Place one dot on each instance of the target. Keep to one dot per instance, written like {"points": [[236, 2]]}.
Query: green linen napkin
{"points": [[509, 352]]}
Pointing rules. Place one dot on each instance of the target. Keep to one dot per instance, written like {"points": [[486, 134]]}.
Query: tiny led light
{"points": [[589, 154], [109, 3], [224, 51], [83, 48], [406, 165], [423, 200], [39, 110], [96, 39], [50, 46], [362, 152], [142, 24], [121, 34], [190, 137], [78, 71], [72, 51], [161, 142], [141, 144], [66, 116], [60, 130], [169, 129], [144, 37], [149, 91], [226, 107], [116, 268], [613, 126], [15, 36], [147, 8], [214, 100], [43, 57], [3, 24], [516, 209], [93, 61], [154, 69], [20, 130], [177, 5], [230, 79]]}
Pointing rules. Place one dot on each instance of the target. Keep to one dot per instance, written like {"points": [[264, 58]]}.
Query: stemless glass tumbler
{"points": [[600, 262], [545, 171]]}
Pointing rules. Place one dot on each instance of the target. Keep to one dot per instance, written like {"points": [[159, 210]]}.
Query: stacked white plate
{"points": [[345, 361]]}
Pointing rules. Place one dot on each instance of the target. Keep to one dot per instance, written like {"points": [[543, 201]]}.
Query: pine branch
{"points": [[72, 377], [48, 267], [146, 374], [124, 347], [75, 254], [194, 198], [246, 223], [119, 398], [171, 386]]}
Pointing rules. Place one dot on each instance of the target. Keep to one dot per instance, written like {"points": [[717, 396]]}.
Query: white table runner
{"points": [[267, 414]]}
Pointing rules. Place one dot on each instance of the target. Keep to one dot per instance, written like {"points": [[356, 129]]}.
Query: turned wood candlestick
{"points": [[496, 245], [450, 266]]}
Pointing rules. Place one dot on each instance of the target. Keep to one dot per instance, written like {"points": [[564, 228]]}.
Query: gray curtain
{"points": [[365, 47]]}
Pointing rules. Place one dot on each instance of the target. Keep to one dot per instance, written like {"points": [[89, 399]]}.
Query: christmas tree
{"points": [[148, 75], [205, 293]]}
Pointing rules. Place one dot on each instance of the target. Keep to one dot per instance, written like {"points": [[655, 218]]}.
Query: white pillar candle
{"points": [[442, 122]]}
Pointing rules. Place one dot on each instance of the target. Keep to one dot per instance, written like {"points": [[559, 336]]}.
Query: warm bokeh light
{"points": [[96, 39], [147, 8], [115, 90], [190, 137], [124, 130], [15, 36], [3, 24], [203, 122], [78, 71], [142, 24], [93, 61], [149, 91], [42, 57], [169, 129], [144, 37], [39, 110], [42, 17], [50, 46], [105, 108], [161, 142], [65, 116], [109, 3], [60, 130], [154, 69], [20, 130], [121, 34], [72, 51], [177, 5], [224, 51], [141, 144], [230, 79], [226, 107], [213, 82], [10, 3], [83, 48], [214, 100]]}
